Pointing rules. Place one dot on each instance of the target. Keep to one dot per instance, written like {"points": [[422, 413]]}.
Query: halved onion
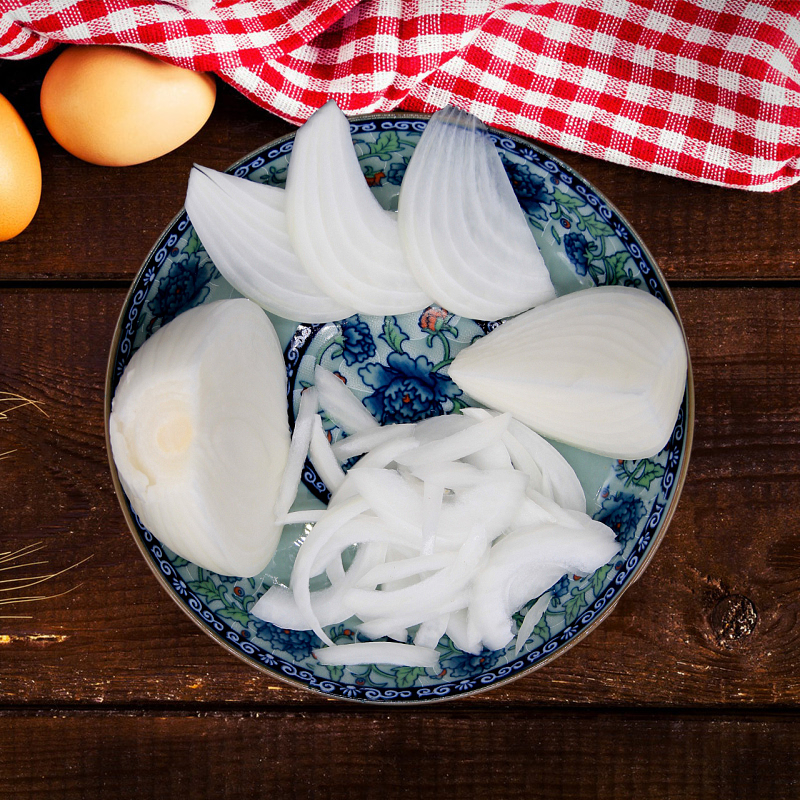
{"points": [[242, 225], [465, 235], [602, 369], [348, 244], [200, 435]]}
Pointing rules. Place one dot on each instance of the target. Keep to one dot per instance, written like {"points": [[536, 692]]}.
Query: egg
{"points": [[115, 106], [20, 173]]}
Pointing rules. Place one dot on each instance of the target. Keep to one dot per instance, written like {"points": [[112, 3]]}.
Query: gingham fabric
{"points": [[707, 90]]}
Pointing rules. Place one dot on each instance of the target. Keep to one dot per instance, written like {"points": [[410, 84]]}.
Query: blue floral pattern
{"points": [[530, 188], [622, 511], [185, 285], [413, 352], [406, 389], [357, 342]]}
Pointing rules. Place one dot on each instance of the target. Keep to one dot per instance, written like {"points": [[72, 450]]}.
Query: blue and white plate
{"points": [[398, 367]]}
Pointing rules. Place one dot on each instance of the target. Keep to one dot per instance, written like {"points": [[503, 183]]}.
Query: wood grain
{"points": [[98, 223], [118, 638], [510, 754]]}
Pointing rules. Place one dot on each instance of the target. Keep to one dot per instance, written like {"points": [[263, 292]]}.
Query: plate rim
{"points": [[546, 659]]}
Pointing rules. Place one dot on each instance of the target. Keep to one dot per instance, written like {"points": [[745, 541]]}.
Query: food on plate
{"points": [[116, 106], [444, 545], [20, 173], [242, 225], [348, 244], [448, 526], [603, 369], [325, 247], [464, 233], [200, 435]]}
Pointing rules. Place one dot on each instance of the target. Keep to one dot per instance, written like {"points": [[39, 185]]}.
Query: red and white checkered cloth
{"points": [[702, 89]]}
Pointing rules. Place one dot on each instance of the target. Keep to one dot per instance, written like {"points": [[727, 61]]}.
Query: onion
{"points": [[341, 405], [322, 456], [349, 245], [404, 655], [530, 620], [457, 445], [200, 436], [242, 225], [465, 236], [549, 471], [602, 369], [301, 441], [369, 439]]}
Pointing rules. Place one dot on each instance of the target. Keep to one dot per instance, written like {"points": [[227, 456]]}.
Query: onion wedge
{"points": [[465, 235], [348, 244], [601, 369], [242, 225]]}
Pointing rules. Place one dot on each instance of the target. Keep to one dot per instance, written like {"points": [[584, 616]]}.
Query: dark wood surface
{"points": [[109, 690]]}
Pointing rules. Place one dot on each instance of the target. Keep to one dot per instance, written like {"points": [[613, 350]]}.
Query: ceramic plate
{"points": [[398, 367]]}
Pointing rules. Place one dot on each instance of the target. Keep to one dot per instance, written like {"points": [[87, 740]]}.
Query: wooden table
{"points": [[110, 690]]}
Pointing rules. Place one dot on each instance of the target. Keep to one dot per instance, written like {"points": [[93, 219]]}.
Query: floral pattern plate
{"points": [[398, 367]]}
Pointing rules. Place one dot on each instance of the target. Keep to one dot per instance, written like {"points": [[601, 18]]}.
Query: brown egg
{"points": [[116, 106], [20, 173]]}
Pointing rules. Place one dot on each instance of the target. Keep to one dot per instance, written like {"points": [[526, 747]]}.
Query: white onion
{"points": [[348, 244], [242, 225], [301, 441], [341, 405], [200, 436], [550, 473], [530, 620], [369, 439], [404, 655], [457, 445], [601, 369], [465, 236], [322, 456]]}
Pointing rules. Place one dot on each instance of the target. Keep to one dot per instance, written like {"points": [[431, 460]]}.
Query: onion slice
{"points": [[465, 235], [242, 225], [341, 405], [402, 655]]}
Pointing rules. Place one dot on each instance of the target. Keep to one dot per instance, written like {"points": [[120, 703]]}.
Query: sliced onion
{"points": [[242, 225], [431, 631], [612, 353], [465, 235], [322, 456], [341, 405], [349, 246], [301, 441], [278, 605], [530, 621], [403, 655], [464, 443], [316, 539], [369, 439]]}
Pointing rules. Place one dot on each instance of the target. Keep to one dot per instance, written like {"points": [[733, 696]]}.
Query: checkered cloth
{"points": [[702, 89]]}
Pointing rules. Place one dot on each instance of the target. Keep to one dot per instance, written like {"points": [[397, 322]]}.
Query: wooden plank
{"points": [[100, 222], [119, 639], [509, 754]]}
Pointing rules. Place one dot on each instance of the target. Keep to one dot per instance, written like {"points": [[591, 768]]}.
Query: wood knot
{"points": [[733, 618]]}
